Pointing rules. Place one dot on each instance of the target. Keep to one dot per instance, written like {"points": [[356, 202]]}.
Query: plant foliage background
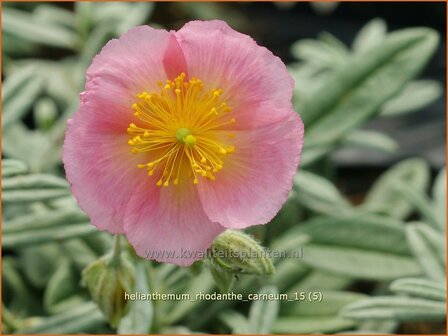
{"points": [[379, 261]]}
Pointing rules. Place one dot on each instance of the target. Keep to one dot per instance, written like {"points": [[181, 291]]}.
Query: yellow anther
{"points": [[178, 129]]}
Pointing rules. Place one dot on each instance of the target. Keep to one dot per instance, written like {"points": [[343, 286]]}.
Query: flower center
{"points": [[183, 129]]}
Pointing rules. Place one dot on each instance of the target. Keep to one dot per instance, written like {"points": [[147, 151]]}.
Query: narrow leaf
{"points": [[399, 308]]}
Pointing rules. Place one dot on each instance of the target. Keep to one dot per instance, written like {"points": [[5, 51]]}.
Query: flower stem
{"points": [[116, 250]]}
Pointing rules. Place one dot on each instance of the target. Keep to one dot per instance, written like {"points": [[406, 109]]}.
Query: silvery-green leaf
{"points": [[373, 33], [44, 219], [201, 283], [370, 139], [37, 150], [318, 52], [263, 313], [82, 318], [356, 91], [34, 181], [12, 167], [315, 324], [36, 237], [439, 196], [16, 107], [322, 280], [319, 194], [419, 200], [399, 308], [429, 249], [139, 318], [50, 14], [223, 280], [359, 263], [45, 113], [288, 272], [384, 197], [78, 252], [332, 302], [39, 263], [15, 82], [61, 291], [236, 322], [415, 95], [419, 287], [22, 25], [359, 230]]}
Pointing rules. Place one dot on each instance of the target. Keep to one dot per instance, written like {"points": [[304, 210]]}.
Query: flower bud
{"points": [[237, 252], [107, 280]]}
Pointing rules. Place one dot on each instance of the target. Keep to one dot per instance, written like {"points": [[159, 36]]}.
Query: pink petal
{"points": [[175, 229], [126, 67], [255, 83], [255, 180], [102, 172], [97, 158]]}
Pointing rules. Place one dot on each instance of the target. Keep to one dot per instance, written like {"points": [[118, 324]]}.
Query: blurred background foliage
{"points": [[368, 204]]}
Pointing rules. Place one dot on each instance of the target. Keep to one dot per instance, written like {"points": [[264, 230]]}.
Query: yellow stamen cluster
{"points": [[181, 130]]}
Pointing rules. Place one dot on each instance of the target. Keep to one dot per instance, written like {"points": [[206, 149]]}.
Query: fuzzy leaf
{"points": [[262, 314], [417, 287], [383, 197], [399, 308]]}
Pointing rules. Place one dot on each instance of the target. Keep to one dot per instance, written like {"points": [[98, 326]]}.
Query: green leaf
{"points": [[308, 325], [60, 294], [15, 82], [322, 280], [262, 314], [312, 154], [419, 200], [57, 16], [383, 197], [22, 25], [318, 52], [358, 263], [361, 231], [319, 194], [39, 263], [223, 280], [201, 283], [371, 139], [44, 219], [236, 322], [137, 14], [78, 252], [439, 195], [288, 272], [83, 318], [372, 34], [415, 96], [398, 308], [139, 318], [45, 113], [34, 181], [34, 237], [34, 195], [16, 292], [27, 86], [356, 92], [332, 303], [35, 149], [11, 167], [429, 249], [418, 287]]}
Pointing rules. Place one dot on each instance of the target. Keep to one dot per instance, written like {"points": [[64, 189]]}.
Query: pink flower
{"points": [[181, 135]]}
